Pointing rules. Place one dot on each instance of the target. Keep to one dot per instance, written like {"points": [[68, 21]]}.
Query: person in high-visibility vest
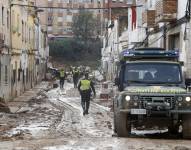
{"points": [[85, 87], [62, 78]]}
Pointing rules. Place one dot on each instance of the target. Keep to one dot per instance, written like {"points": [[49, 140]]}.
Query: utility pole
{"points": [[164, 37], [147, 37]]}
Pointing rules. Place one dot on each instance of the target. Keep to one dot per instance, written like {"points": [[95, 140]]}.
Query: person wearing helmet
{"points": [[85, 87]]}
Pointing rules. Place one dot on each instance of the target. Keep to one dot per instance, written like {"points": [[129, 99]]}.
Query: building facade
{"points": [[158, 23], [5, 50], [20, 48], [60, 20]]}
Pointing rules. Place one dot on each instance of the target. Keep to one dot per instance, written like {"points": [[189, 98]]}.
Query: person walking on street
{"points": [[62, 78], [85, 87], [75, 74]]}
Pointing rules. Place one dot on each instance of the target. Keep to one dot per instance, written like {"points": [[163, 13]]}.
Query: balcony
{"points": [[166, 11], [149, 18]]}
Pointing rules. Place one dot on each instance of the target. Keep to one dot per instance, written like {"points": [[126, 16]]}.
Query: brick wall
{"points": [[149, 18], [166, 10]]}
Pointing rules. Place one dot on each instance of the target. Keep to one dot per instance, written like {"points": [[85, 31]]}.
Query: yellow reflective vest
{"points": [[85, 85], [62, 73]]}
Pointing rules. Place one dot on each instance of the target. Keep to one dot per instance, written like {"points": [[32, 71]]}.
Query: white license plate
{"points": [[138, 111]]}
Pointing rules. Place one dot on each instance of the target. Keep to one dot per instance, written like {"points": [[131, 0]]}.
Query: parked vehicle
{"points": [[152, 91]]}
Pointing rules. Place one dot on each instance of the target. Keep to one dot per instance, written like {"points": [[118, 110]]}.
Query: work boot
{"points": [[87, 112], [84, 113]]}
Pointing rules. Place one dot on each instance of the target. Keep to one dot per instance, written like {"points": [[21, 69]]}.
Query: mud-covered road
{"points": [[53, 120]]}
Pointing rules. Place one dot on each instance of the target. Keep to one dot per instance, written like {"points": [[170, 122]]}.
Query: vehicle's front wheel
{"points": [[186, 125], [173, 129], [122, 124]]}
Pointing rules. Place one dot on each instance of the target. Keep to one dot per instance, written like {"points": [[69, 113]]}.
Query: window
{"points": [[27, 75], [13, 17], [19, 72], [6, 75], [18, 22], [174, 41], [2, 16], [25, 30], [22, 30], [7, 19], [29, 35], [150, 4], [23, 76], [156, 73]]}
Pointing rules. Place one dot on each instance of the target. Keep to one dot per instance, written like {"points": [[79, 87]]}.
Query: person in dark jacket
{"points": [[75, 74], [85, 87]]}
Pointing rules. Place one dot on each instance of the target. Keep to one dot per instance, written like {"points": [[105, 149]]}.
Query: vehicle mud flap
{"points": [[186, 125]]}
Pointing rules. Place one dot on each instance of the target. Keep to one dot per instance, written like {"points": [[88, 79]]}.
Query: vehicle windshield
{"points": [[155, 73]]}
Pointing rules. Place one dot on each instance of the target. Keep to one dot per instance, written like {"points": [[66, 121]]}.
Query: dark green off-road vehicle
{"points": [[152, 91]]}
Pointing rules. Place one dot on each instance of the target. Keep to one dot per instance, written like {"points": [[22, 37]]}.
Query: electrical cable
{"points": [[70, 8], [156, 40]]}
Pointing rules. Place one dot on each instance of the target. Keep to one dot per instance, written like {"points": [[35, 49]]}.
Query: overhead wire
{"points": [[70, 8]]}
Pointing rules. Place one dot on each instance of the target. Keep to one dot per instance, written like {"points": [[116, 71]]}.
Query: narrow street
{"points": [[53, 120], [133, 56]]}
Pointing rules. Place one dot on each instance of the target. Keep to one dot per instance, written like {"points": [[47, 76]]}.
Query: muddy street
{"points": [[53, 120]]}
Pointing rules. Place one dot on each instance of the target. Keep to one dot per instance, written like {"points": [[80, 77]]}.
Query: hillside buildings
{"points": [[60, 20]]}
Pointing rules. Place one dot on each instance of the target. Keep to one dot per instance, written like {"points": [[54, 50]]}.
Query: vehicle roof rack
{"points": [[151, 48], [149, 53]]}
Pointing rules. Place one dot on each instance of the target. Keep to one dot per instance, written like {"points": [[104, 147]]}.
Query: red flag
{"points": [[133, 17]]}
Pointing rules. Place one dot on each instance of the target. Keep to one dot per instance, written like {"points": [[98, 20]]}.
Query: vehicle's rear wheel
{"points": [[122, 124], [186, 125]]}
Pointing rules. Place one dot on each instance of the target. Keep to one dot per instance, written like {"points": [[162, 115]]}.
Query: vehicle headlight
{"points": [[127, 98], [188, 99], [179, 98]]}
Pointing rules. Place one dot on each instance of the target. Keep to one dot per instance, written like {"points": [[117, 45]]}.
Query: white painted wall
{"points": [[181, 8], [138, 34]]}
